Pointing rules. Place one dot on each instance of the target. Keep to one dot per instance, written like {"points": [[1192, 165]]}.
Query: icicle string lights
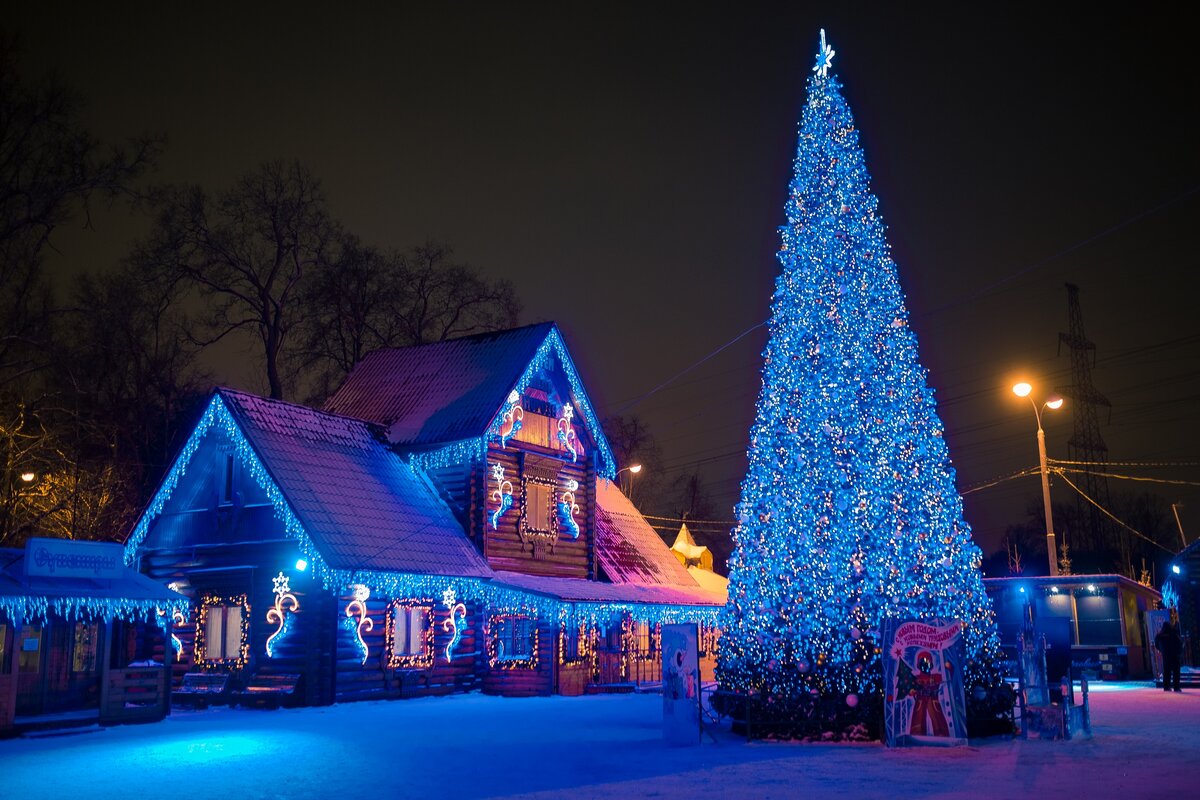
{"points": [[389, 584]]}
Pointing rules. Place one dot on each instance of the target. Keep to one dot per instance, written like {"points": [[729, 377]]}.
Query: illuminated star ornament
{"points": [[458, 613], [824, 58], [278, 614]]}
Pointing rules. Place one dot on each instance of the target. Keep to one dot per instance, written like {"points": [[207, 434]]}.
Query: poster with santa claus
{"points": [[924, 703]]}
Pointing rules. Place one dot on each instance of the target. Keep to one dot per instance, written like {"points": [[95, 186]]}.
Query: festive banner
{"points": [[681, 684], [924, 702]]}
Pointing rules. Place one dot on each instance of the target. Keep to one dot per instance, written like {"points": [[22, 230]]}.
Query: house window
{"points": [[538, 498], [222, 631], [575, 643], [83, 653], [1099, 618], [410, 634], [647, 639], [227, 481], [513, 641], [709, 634], [29, 658]]}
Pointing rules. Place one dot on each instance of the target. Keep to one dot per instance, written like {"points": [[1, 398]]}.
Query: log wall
{"points": [[376, 678], [503, 545], [525, 682]]}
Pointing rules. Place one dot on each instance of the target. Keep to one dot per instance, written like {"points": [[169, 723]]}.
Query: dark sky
{"points": [[626, 166]]}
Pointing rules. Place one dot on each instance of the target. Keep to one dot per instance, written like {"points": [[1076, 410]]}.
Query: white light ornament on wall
{"points": [[568, 508], [566, 433], [825, 56], [285, 602], [358, 608], [455, 622], [503, 494], [512, 418], [177, 619]]}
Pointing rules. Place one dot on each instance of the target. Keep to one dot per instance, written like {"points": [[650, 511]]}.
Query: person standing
{"points": [[1170, 644]]}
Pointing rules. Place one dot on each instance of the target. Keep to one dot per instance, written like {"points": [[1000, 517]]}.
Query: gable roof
{"points": [[628, 549], [337, 483], [455, 390]]}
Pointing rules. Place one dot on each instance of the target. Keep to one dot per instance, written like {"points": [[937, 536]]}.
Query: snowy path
{"points": [[1147, 743]]}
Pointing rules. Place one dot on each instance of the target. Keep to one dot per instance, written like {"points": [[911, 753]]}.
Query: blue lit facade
{"points": [[388, 530]]}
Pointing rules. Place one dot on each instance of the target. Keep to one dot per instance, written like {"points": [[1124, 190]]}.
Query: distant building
{"points": [[1095, 623], [689, 553], [699, 562], [446, 523]]}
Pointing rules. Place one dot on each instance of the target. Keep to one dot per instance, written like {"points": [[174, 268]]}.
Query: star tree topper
{"points": [[825, 55]]}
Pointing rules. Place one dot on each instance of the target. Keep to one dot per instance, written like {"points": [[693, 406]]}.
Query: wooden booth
{"points": [[1093, 624], [82, 637]]}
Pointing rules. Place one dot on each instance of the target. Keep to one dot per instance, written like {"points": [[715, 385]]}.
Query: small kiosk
{"points": [[1092, 624], [83, 638]]}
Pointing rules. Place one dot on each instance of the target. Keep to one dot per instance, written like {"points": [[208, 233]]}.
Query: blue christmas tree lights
{"points": [[848, 512]]}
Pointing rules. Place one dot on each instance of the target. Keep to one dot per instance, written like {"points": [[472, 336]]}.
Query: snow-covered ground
{"points": [[1147, 743]]}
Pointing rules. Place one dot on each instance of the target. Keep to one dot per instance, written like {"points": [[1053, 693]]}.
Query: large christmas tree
{"points": [[849, 512]]}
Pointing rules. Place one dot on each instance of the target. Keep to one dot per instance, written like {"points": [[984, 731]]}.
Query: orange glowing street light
{"points": [[1053, 402]]}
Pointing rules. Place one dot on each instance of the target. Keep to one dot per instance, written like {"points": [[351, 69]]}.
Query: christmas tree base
{"points": [[803, 718]]}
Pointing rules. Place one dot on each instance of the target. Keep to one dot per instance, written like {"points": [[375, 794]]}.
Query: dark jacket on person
{"points": [[1168, 641]]}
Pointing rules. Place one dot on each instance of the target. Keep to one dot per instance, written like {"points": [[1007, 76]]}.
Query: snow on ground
{"points": [[1147, 743]]}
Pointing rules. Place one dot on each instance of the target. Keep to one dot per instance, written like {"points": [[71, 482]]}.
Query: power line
{"points": [[1129, 477], [1108, 514], [1057, 461]]}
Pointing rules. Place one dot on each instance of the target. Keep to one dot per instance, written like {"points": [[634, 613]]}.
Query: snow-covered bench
{"points": [[199, 689]]}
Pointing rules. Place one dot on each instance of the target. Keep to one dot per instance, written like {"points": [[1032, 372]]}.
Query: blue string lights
{"points": [[848, 511], [550, 352], [217, 418]]}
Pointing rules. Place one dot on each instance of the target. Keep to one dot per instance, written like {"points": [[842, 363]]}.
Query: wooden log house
{"points": [[446, 523]]}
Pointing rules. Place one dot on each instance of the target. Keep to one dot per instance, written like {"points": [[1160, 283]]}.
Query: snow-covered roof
{"points": [[627, 548], [128, 594], [363, 506], [440, 392], [710, 580], [579, 590], [456, 391]]}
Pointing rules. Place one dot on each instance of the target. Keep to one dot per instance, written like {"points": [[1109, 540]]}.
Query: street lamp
{"points": [[632, 469], [1053, 402]]}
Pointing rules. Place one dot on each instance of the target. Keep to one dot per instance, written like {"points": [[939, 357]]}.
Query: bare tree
{"points": [[445, 299], [246, 253], [363, 299], [51, 168]]}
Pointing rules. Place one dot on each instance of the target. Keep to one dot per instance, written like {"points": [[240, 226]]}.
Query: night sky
{"points": [[626, 168]]}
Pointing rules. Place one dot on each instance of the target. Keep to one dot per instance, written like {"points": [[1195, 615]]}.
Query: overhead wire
{"points": [[1110, 515]]}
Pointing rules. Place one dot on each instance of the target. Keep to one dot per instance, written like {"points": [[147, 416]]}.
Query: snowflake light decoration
{"points": [[825, 55], [279, 584]]}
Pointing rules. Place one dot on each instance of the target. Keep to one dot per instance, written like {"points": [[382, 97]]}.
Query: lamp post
{"points": [[1053, 402], [632, 469]]}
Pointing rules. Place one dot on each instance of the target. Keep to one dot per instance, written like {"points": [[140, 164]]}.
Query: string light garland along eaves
{"points": [[552, 351], [388, 584], [38, 608]]}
